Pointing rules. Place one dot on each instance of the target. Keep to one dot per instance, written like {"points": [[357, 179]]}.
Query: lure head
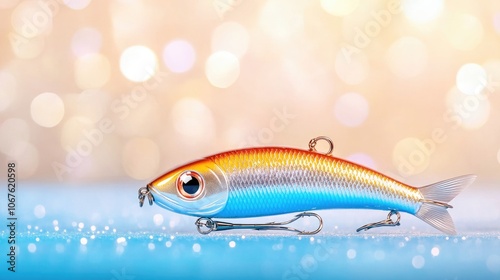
{"points": [[197, 189]]}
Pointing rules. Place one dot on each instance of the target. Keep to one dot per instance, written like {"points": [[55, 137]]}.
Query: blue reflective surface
{"points": [[99, 232]]}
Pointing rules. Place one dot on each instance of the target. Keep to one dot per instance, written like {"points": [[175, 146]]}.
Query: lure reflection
{"points": [[275, 180]]}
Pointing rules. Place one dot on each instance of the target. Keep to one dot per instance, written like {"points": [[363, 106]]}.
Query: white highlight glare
{"points": [[422, 11], [83, 241], [222, 69], [351, 254], [31, 247], [158, 219], [77, 4], [418, 262], [39, 211], [232, 244], [339, 7], [196, 248], [471, 78], [138, 63], [435, 251], [121, 240]]}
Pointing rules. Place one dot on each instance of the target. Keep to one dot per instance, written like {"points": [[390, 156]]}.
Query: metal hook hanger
{"points": [[207, 225], [384, 223], [143, 193], [314, 141]]}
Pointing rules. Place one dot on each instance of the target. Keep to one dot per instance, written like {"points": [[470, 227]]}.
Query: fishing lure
{"points": [[266, 181]]}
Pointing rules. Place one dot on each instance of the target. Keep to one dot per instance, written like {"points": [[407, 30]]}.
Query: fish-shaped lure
{"points": [[276, 180]]}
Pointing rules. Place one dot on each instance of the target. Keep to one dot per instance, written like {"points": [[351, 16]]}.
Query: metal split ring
{"points": [[314, 141]]}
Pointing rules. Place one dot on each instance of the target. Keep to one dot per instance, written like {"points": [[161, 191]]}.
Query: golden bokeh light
{"points": [[463, 31], [92, 71], [47, 109], [222, 69], [76, 4], [281, 19], [412, 156], [74, 131]]}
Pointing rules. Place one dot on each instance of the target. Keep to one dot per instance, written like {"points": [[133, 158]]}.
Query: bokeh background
{"points": [[98, 98], [94, 91]]}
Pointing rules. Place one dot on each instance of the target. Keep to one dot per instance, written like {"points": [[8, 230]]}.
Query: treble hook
{"points": [[212, 225], [143, 193], [384, 223], [314, 141]]}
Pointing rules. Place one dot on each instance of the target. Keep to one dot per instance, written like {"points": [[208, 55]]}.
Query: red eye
{"points": [[190, 185]]}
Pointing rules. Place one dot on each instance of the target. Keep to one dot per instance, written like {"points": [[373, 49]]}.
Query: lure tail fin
{"points": [[436, 197]]}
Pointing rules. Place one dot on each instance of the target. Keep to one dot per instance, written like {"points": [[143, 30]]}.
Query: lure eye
{"points": [[190, 185]]}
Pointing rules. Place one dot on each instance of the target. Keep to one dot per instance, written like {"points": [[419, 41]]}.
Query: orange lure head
{"points": [[198, 188]]}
